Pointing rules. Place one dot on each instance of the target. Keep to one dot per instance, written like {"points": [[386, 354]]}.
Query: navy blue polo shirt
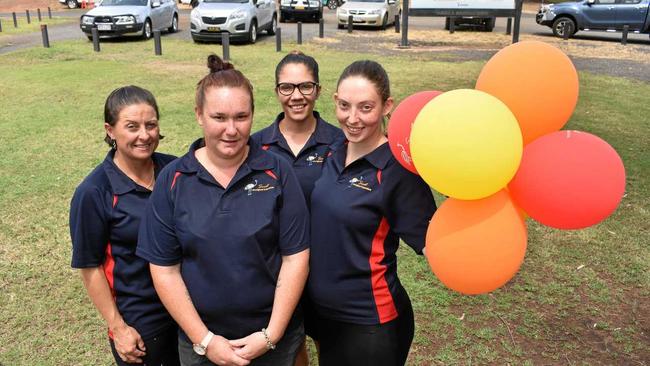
{"points": [[310, 160], [228, 240], [358, 215], [105, 216]]}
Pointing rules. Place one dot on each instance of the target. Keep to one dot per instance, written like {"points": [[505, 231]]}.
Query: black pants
{"points": [[346, 344], [162, 350]]}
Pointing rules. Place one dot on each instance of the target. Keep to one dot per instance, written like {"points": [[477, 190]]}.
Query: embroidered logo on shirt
{"points": [[255, 187], [359, 183], [314, 159]]}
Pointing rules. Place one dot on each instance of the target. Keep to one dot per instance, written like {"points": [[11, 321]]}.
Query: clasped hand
{"points": [[238, 352]]}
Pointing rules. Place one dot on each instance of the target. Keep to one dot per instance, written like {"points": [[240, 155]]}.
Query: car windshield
{"points": [[226, 1], [124, 3]]}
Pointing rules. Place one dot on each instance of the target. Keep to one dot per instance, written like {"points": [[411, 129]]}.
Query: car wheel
{"points": [[558, 26], [173, 28], [384, 22], [146, 29], [252, 32], [283, 17], [72, 4], [489, 24], [90, 37], [447, 23], [274, 26], [332, 4]]}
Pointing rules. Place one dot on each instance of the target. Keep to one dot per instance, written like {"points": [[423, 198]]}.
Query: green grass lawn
{"points": [[8, 28], [581, 297]]}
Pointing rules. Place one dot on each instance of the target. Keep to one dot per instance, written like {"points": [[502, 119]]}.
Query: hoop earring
{"points": [[114, 144]]}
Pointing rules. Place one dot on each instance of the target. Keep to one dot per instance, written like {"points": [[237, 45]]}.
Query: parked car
{"points": [[131, 17], [595, 15], [243, 19], [303, 9], [374, 13], [483, 23]]}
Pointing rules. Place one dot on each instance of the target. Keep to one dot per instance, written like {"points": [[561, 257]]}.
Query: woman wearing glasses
{"points": [[299, 134], [301, 137]]}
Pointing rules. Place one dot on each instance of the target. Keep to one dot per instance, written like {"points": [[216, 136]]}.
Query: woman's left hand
{"points": [[250, 347]]}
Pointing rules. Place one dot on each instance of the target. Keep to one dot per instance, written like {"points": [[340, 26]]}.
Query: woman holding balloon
{"points": [[364, 202]]}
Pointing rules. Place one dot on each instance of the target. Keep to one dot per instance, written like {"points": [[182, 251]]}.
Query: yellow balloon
{"points": [[466, 144]]}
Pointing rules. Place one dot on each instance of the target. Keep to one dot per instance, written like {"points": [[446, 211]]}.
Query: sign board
{"points": [[504, 8]]}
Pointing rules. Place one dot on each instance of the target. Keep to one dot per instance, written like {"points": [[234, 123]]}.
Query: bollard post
{"points": [[278, 40], [156, 42], [350, 23], [38, 11], [509, 27], [49, 12], [95, 34], [321, 28], [15, 20], [452, 25], [299, 32], [29, 20], [396, 23], [404, 42], [626, 30], [566, 29], [46, 38], [225, 43]]}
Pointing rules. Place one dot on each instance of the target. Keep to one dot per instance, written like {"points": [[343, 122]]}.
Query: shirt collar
{"points": [[120, 182], [257, 158], [321, 135], [378, 158]]}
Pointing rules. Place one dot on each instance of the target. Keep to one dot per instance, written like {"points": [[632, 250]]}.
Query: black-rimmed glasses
{"points": [[306, 88]]}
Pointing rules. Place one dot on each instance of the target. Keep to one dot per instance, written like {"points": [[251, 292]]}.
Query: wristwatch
{"points": [[203, 346]]}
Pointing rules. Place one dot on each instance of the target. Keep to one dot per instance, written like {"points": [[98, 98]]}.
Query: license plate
{"points": [[300, 8], [103, 27], [356, 19], [213, 29]]}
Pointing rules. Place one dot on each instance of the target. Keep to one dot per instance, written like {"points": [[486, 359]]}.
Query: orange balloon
{"points": [[476, 246], [537, 81]]}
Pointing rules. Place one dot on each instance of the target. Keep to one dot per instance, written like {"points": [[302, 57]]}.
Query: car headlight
{"points": [[342, 11], [194, 15], [87, 20], [239, 14], [314, 4], [124, 19], [375, 12]]}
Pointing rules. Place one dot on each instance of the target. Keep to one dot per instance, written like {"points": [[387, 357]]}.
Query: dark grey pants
{"points": [[284, 353]]}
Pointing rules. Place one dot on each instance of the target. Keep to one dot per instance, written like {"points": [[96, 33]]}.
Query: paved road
{"points": [[310, 30]]}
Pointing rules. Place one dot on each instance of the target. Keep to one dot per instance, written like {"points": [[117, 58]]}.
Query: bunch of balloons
{"points": [[498, 153]]}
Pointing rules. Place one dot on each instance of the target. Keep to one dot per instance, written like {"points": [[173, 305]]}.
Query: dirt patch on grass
{"points": [[7, 6]]}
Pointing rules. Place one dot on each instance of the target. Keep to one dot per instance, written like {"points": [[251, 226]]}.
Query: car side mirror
{"points": [[155, 4]]}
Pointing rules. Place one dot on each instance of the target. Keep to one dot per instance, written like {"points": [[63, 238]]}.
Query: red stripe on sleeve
{"points": [[265, 147], [383, 298], [109, 266], [271, 174], [114, 200], [379, 176], [174, 180]]}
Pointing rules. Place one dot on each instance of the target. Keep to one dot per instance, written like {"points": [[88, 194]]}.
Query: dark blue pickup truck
{"points": [[595, 15]]}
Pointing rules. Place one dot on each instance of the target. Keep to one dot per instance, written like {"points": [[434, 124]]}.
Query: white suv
{"points": [[243, 19]]}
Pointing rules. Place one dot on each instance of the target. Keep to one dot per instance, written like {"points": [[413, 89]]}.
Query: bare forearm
{"points": [[291, 282], [99, 292], [174, 295]]}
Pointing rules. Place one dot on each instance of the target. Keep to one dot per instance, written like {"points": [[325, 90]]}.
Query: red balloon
{"points": [[569, 180], [399, 126]]}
